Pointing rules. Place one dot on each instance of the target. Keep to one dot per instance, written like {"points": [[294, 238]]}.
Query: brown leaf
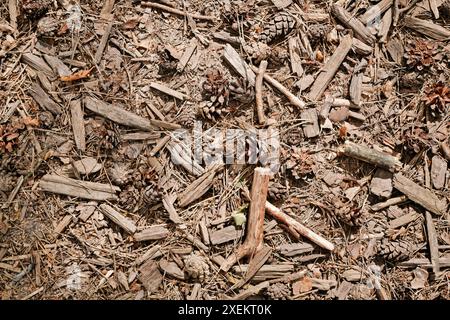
{"points": [[29, 121], [301, 286], [130, 24], [77, 75]]}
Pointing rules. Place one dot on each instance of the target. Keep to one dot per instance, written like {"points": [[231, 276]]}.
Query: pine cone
{"points": [[187, 117], [349, 216], [119, 173], [196, 267], [129, 198], [34, 9], [279, 26], [421, 54], [152, 194], [277, 191], [241, 91], [279, 56], [395, 250], [317, 33], [216, 92], [294, 136], [257, 51], [278, 291], [7, 182]]}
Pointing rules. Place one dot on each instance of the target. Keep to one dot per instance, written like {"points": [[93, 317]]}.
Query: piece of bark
{"points": [[419, 195], [57, 65], [375, 11], [396, 50], [356, 88], [226, 234], [232, 57], [151, 233], [199, 187], [293, 99], [361, 48], [137, 136], [251, 291], [331, 67], [150, 276], [204, 232], [256, 262], [37, 267], [347, 19], [372, 156], [432, 242], [403, 220], [103, 42], [356, 116], [295, 249], [388, 203], [78, 188], [168, 201], [118, 218], [424, 263], [353, 275], [427, 28], [266, 272], [166, 90], [78, 124], [255, 221], [226, 37], [386, 24], [184, 60], [62, 225], [438, 172], [37, 63], [152, 253], [117, 114], [159, 145], [343, 290], [296, 59], [43, 99], [311, 129], [171, 269], [258, 91], [381, 184]]}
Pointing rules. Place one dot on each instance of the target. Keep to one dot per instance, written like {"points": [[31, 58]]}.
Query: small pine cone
{"points": [[294, 137], [317, 33], [241, 91], [257, 51], [119, 173], [277, 191], [279, 56], [210, 111], [278, 291], [279, 26], [7, 182], [187, 117], [395, 250], [34, 9], [196, 267], [46, 119], [129, 198], [152, 194]]}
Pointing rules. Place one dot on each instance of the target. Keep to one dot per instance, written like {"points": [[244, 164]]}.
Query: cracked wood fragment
{"points": [[118, 218]]}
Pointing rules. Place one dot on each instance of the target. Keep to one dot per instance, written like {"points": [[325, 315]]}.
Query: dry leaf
{"points": [[29, 121], [77, 75], [301, 286], [130, 24], [420, 278]]}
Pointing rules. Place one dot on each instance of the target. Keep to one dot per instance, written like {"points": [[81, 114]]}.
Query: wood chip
{"points": [[57, 65], [381, 184], [295, 249], [37, 63], [164, 89], [266, 272], [150, 276], [226, 234], [427, 28], [438, 172], [311, 129], [44, 100], [87, 165], [432, 242], [187, 55], [403, 220], [171, 269], [353, 23], [151, 233], [238, 64], [118, 218], [78, 124]]}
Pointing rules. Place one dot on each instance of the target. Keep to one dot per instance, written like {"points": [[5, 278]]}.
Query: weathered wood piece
{"points": [[255, 221], [256, 262], [432, 242], [57, 65], [266, 272], [78, 188], [226, 37], [116, 217], [419, 195], [37, 63], [353, 23], [372, 156], [136, 136], [103, 42], [329, 70], [295, 249], [427, 28], [356, 88], [425, 263], [361, 48], [151, 233], [258, 92], [78, 129], [438, 172], [312, 128], [403, 220], [62, 225], [166, 90], [199, 187], [388, 203], [296, 59], [187, 55], [386, 24], [226, 234], [168, 201], [150, 276], [232, 57], [293, 99], [375, 11], [117, 114], [175, 11], [43, 99], [171, 269], [381, 184], [182, 158]]}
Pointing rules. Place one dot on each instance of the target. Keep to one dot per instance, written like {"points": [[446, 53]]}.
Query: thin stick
{"points": [[255, 225], [297, 226], [175, 11], [258, 91], [103, 42], [293, 99]]}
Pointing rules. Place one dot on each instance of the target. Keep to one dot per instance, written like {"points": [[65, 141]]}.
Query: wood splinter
{"points": [[258, 91], [254, 234]]}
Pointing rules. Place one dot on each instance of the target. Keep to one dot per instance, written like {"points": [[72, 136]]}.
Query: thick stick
{"points": [[255, 225], [297, 226], [258, 91], [377, 158], [175, 11], [293, 99]]}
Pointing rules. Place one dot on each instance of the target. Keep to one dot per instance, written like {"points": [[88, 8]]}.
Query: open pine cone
{"points": [[152, 194], [279, 26], [278, 291], [437, 96], [216, 93], [421, 54], [395, 250]]}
